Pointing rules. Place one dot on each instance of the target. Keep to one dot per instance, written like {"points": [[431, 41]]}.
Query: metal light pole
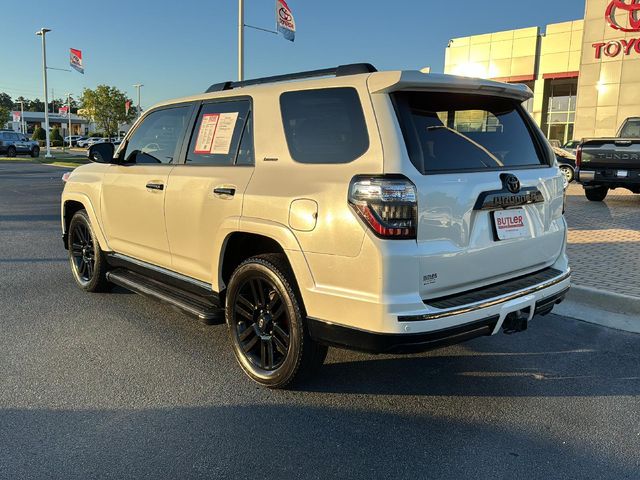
{"points": [[69, 117], [42, 32], [240, 40], [22, 117], [138, 86]]}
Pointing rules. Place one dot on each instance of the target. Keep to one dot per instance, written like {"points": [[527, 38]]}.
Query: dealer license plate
{"points": [[622, 174], [511, 224]]}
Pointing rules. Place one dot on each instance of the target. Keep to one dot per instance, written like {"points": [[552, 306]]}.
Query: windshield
{"points": [[448, 132], [631, 129]]}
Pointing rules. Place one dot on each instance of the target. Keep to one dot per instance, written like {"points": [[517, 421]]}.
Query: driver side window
{"points": [[158, 138]]}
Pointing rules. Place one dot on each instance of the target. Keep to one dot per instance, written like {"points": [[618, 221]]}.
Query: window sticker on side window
{"points": [[206, 133], [216, 133], [224, 133]]}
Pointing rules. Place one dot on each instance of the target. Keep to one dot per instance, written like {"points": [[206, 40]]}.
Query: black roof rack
{"points": [[341, 71]]}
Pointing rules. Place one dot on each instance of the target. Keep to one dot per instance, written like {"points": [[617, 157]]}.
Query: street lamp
{"points": [[42, 32], [138, 86], [22, 129], [69, 117]]}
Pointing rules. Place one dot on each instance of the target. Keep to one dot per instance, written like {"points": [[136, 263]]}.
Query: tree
{"points": [[39, 134], [36, 105], [5, 101], [4, 115], [55, 137], [106, 106]]}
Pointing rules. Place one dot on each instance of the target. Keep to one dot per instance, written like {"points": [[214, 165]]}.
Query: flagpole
{"points": [[240, 40]]}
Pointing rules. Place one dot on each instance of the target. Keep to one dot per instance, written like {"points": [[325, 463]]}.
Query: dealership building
{"points": [[585, 74]]}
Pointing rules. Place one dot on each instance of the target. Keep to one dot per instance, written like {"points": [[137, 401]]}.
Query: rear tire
{"points": [[267, 323], [11, 152], [35, 152], [596, 194], [88, 263]]}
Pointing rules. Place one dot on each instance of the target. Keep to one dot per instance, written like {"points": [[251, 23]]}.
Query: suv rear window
{"points": [[325, 125], [447, 132]]}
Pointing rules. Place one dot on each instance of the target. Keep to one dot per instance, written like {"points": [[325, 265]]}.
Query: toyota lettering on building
{"points": [[585, 74], [613, 48]]}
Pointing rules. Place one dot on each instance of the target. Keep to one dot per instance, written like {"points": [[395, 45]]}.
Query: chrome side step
{"points": [[193, 304]]}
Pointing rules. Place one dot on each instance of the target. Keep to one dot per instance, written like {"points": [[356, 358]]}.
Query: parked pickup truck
{"points": [[607, 163]]}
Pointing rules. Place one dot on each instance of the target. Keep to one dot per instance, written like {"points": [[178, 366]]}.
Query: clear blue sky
{"points": [[180, 47]]}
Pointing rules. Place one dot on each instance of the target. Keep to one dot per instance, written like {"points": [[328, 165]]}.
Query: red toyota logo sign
{"points": [[632, 7]]}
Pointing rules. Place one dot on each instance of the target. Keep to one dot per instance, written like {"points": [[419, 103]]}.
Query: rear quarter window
{"points": [[447, 132], [324, 126], [631, 129]]}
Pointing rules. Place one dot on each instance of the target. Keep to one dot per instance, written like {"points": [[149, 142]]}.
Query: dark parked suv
{"points": [[14, 143]]}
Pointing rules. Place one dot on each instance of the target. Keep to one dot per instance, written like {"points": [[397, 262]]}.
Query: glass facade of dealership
{"points": [[585, 74]]}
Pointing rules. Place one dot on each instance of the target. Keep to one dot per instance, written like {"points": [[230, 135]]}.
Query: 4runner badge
{"points": [[511, 195], [429, 279]]}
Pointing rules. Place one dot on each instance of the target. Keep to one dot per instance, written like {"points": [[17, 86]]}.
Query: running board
{"points": [[188, 302]]}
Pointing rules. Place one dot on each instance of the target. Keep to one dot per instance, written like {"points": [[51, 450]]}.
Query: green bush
{"points": [[96, 134], [55, 137], [38, 134], [57, 143]]}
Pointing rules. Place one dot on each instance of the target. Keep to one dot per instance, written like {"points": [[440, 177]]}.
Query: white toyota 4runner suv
{"points": [[385, 212]]}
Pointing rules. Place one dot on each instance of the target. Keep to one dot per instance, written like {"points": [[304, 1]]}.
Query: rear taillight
{"points": [[386, 204], [579, 155]]}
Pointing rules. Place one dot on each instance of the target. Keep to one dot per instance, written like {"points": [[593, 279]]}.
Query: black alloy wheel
{"points": [[262, 324], [267, 323], [83, 252], [87, 261], [35, 152]]}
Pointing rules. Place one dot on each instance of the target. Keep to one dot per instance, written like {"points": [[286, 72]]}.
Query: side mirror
{"points": [[101, 152]]}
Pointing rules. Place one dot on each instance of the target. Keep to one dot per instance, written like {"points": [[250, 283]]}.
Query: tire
{"points": [[88, 263], [11, 152], [596, 194], [266, 322], [568, 174], [35, 152]]}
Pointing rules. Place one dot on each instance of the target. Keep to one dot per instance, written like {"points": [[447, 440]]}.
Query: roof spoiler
{"points": [[386, 82]]}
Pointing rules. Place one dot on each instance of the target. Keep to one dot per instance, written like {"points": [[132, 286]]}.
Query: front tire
{"points": [[88, 263], [266, 321], [596, 194], [35, 152], [568, 174]]}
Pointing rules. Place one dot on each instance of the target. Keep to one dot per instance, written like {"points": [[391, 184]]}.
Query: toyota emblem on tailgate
{"points": [[511, 182]]}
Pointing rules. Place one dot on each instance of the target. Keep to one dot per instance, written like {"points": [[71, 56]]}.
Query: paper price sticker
{"points": [[216, 133], [207, 133], [224, 133]]}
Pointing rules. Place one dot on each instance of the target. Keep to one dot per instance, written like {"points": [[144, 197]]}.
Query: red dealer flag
{"points": [[284, 20], [127, 107], [75, 59]]}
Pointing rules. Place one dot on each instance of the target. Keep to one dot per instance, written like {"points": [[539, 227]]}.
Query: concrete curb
{"points": [[608, 309]]}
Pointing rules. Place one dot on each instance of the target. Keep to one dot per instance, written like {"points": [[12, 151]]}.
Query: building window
{"points": [[560, 111]]}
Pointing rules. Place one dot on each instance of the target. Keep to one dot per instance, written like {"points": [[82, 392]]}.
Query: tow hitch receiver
{"points": [[516, 322]]}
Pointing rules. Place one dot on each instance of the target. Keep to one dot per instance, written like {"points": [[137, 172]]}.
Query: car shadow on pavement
{"points": [[498, 366], [271, 442]]}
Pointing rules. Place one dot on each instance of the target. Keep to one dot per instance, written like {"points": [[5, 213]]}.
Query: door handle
{"points": [[224, 191], [155, 186]]}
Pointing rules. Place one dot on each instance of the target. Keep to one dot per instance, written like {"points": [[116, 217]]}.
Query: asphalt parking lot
{"points": [[119, 386]]}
